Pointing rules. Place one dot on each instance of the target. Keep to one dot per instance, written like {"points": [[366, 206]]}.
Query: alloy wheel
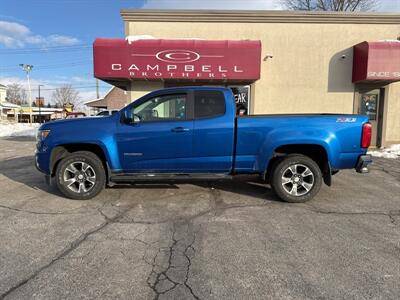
{"points": [[297, 180], [79, 177]]}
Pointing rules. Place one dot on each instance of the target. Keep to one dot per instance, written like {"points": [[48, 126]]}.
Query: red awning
{"points": [[376, 61], [159, 59]]}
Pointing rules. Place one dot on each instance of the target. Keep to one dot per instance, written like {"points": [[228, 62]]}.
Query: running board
{"points": [[132, 177]]}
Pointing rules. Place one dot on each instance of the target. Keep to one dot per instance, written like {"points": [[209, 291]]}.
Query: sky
{"points": [[56, 36]]}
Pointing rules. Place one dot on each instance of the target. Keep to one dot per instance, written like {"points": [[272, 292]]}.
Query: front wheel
{"points": [[297, 178], [80, 175]]}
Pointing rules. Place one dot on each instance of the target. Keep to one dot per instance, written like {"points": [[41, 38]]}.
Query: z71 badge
{"points": [[346, 120]]}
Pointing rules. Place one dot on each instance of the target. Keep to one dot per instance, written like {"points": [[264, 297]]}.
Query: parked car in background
{"points": [[106, 113], [193, 133], [74, 115]]}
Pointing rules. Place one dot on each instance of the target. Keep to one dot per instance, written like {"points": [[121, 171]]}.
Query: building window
{"points": [[242, 99], [369, 105]]}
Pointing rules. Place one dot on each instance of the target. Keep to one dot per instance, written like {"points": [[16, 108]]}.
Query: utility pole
{"points": [[28, 69], [97, 89], [40, 100]]}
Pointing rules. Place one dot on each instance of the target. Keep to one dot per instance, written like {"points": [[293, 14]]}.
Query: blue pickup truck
{"points": [[195, 133]]}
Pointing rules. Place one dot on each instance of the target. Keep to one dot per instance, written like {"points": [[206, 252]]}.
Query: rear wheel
{"points": [[80, 175], [297, 178]]}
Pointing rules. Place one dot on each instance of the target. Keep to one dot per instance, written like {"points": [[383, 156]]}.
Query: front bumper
{"points": [[363, 162], [42, 162], [38, 160]]}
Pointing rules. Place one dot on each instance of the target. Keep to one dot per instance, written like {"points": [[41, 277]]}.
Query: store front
{"points": [[275, 62], [375, 66]]}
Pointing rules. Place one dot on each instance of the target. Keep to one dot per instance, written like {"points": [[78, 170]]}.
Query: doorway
{"points": [[370, 102]]}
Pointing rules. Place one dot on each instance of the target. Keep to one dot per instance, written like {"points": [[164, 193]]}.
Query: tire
{"points": [[80, 175], [296, 179]]}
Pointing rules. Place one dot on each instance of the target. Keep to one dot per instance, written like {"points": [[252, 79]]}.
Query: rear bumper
{"points": [[362, 163]]}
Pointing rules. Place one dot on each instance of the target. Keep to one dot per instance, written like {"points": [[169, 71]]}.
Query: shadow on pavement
{"points": [[147, 185], [19, 138], [238, 186], [22, 170], [243, 187]]}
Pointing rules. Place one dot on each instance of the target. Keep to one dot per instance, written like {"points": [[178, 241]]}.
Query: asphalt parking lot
{"points": [[226, 240]]}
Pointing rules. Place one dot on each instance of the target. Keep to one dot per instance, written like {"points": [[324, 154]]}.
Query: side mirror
{"points": [[127, 117]]}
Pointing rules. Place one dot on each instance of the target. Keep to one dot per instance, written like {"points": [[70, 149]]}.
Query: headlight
{"points": [[42, 134]]}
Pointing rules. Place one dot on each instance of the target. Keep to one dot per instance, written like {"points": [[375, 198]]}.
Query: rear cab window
{"points": [[209, 104]]}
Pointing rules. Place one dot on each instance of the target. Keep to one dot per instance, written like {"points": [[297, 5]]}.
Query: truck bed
{"points": [[259, 135]]}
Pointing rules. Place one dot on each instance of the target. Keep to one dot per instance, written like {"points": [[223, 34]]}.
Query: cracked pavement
{"points": [[218, 240]]}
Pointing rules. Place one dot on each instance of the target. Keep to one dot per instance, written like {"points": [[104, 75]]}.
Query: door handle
{"points": [[179, 129]]}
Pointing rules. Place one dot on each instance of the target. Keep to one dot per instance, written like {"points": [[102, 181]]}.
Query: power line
{"points": [[74, 87], [63, 61], [80, 1], [53, 49], [51, 66]]}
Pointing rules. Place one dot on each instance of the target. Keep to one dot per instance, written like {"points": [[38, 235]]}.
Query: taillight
{"points": [[366, 135]]}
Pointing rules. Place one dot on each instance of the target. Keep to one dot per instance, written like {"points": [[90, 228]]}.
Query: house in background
{"points": [[7, 107], [40, 112], [3, 93], [115, 99]]}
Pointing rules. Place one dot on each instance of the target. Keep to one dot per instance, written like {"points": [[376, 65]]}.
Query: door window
{"points": [[369, 105], [208, 104], [162, 108]]}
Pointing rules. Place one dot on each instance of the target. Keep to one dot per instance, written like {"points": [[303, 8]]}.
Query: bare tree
{"points": [[331, 5], [65, 94], [16, 94]]}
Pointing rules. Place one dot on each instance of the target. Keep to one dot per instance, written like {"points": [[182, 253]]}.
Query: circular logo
{"points": [[177, 56]]}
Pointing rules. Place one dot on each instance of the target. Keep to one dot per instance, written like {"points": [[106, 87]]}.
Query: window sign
{"points": [[242, 99], [369, 105]]}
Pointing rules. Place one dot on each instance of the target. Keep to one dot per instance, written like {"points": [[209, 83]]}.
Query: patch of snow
{"points": [[133, 38], [390, 40], [391, 152], [18, 129]]}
